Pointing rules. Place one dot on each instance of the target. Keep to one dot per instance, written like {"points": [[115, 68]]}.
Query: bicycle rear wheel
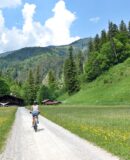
{"points": [[35, 125]]}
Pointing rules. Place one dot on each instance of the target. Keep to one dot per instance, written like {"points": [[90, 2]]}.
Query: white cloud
{"points": [[4, 38], [2, 21], [55, 30], [9, 3], [95, 19], [60, 24], [28, 12]]}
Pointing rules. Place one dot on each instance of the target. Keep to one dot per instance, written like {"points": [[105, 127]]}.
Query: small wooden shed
{"points": [[50, 102], [10, 100]]}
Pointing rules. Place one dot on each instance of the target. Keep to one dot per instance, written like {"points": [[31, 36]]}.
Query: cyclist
{"points": [[35, 112]]}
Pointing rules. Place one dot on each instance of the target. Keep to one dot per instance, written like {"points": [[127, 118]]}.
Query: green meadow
{"points": [[105, 126], [7, 116]]}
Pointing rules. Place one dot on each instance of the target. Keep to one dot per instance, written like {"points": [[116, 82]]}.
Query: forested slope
{"points": [[113, 87]]}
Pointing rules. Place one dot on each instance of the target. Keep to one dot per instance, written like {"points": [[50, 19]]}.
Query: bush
{"points": [[4, 88]]}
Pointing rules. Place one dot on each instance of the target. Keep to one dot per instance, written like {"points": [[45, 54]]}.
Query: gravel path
{"points": [[51, 142]]}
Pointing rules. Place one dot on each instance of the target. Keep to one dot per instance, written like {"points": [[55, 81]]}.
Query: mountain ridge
{"points": [[17, 63], [80, 44]]}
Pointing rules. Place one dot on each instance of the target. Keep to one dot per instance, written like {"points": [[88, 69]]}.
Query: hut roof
{"points": [[50, 102]]}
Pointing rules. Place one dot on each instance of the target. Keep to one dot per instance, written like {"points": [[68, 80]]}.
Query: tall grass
{"points": [[108, 127], [7, 116]]}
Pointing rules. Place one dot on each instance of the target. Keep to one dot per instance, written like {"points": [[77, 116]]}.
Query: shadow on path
{"points": [[40, 129]]}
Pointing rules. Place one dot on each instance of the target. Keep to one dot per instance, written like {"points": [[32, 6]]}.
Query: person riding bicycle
{"points": [[35, 112]]}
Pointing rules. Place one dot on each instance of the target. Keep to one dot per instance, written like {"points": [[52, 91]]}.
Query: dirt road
{"points": [[51, 142]]}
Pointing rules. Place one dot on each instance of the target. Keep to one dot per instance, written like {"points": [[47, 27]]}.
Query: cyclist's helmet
{"points": [[35, 102]]}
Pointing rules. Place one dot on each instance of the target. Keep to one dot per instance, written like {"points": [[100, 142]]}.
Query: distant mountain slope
{"points": [[113, 87], [25, 53], [34, 51], [81, 44], [5, 54], [17, 63]]}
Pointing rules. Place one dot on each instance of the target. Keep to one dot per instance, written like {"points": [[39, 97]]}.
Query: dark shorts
{"points": [[35, 113]]}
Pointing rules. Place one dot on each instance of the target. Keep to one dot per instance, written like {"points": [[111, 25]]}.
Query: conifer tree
{"points": [[66, 71], [103, 37], [37, 79], [51, 80], [123, 35], [113, 30], [96, 42], [0, 73], [90, 46], [31, 94], [80, 63], [129, 27], [70, 74], [123, 27]]}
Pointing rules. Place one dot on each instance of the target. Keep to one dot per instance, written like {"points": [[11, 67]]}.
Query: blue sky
{"points": [[26, 22]]}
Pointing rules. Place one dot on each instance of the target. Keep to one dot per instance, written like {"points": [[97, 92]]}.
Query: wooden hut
{"points": [[9, 100], [50, 102]]}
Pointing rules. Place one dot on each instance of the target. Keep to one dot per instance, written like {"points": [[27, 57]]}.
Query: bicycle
{"points": [[35, 125]]}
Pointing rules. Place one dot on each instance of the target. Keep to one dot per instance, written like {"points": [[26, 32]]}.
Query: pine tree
{"points": [[1, 73], [103, 37], [31, 94], [113, 30], [66, 71], [129, 27], [123, 35], [70, 74], [129, 30], [96, 42], [51, 80], [80, 63], [37, 79], [123, 27], [90, 46]]}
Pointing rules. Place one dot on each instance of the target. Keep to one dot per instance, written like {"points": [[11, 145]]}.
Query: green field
{"points": [[106, 126], [7, 116]]}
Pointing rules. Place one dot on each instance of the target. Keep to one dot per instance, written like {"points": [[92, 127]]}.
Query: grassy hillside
{"points": [[113, 87]]}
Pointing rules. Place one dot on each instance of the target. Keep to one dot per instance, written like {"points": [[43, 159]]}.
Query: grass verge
{"points": [[7, 116], [108, 127]]}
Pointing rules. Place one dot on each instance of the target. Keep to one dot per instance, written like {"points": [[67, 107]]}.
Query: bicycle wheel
{"points": [[35, 126]]}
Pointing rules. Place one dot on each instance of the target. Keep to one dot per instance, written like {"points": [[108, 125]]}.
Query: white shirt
{"points": [[35, 107]]}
